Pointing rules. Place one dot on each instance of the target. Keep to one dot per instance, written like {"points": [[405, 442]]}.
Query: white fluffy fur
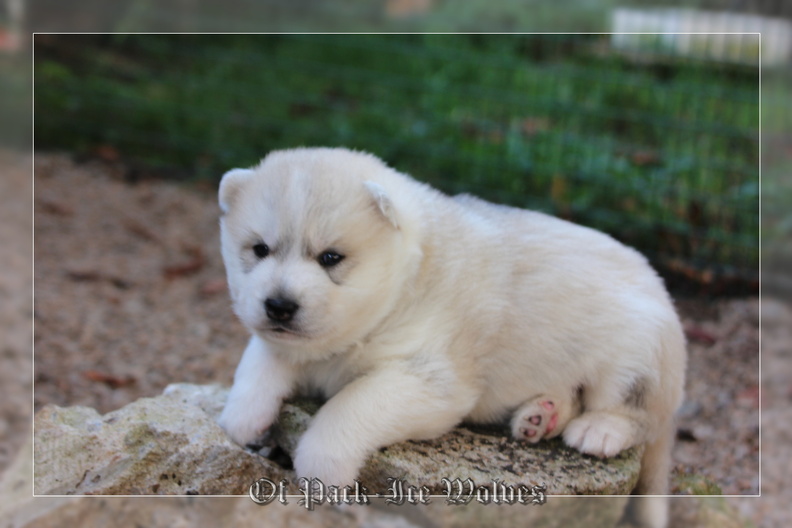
{"points": [[443, 310]]}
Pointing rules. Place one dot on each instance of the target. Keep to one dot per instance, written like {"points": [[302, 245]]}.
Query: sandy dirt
{"points": [[131, 296]]}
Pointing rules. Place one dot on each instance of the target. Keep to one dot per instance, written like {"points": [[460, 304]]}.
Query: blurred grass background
{"points": [[661, 153]]}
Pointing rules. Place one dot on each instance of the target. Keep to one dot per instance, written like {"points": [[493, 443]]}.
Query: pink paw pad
{"points": [[530, 433], [538, 421], [549, 406]]}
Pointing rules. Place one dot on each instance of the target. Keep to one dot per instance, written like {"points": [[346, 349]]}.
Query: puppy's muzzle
{"points": [[280, 310]]}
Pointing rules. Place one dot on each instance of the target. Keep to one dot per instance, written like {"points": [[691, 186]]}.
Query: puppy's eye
{"points": [[328, 259], [261, 250]]}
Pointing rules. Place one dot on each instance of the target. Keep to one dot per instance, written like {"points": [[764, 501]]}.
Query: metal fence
{"points": [[659, 149]]}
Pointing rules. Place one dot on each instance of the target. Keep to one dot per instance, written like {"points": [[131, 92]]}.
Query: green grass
{"points": [[664, 156]]}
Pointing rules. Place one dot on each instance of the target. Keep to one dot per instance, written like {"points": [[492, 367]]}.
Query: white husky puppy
{"points": [[412, 311]]}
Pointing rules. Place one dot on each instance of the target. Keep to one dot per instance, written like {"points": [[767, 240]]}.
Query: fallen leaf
{"points": [[114, 382], [140, 230], [696, 333], [90, 275], [56, 208], [183, 269]]}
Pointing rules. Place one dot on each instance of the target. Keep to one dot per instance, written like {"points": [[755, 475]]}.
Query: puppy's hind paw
{"points": [[535, 420]]}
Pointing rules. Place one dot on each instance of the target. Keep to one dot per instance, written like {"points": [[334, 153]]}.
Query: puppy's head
{"points": [[317, 246]]}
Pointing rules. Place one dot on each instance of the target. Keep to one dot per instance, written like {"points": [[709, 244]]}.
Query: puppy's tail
{"points": [[651, 512]]}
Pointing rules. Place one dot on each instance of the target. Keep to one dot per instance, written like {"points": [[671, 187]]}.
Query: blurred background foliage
{"points": [[653, 142]]}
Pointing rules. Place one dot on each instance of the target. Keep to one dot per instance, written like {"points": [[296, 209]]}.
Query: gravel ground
{"points": [[16, 276], [130, 296]]}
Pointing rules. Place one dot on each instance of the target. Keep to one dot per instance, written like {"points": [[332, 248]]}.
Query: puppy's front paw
{"points": [[599, 433], [318, 458], [246, 425], [535, 420], [330, 471]]}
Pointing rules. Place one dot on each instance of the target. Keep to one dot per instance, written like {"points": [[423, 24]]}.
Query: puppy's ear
{"points": [[383, 202], [230, 186]]}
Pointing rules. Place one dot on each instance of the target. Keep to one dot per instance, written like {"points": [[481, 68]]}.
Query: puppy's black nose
{"points": [[280, 310]]}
